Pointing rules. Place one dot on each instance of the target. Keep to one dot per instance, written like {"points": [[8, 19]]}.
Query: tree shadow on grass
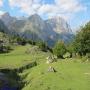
{"points": [[10, 77], [10, 80]]}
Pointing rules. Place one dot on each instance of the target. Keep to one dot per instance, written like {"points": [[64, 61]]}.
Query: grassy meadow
{"points": [[71, 74], [18, 57]]}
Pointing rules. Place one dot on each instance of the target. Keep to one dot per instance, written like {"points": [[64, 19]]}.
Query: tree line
{"points": [[80, 44]]}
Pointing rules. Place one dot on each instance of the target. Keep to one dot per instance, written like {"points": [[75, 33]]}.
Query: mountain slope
{"points": [[61, 28], [3, 28], [38, 29], [34, 27]]}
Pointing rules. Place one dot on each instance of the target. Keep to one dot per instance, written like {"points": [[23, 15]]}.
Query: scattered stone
{"points": [[67, 55], [51, 59], [51, 69]]}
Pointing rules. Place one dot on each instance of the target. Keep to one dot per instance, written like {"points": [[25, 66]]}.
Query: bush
{"points": [[4, 43], [42, 46], [86, 58], [5, 49], [21, 41], [88, 55], [59, 49]]}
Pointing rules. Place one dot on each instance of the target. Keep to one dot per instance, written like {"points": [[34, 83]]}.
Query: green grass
{"points": [[18, 57], [69, 76], [72, 74]]}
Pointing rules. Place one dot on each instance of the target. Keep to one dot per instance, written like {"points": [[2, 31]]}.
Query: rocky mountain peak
{"points": [[59, 25], [34, 26], [7, 19], [34, 16], [5, 15], [36, 19]]}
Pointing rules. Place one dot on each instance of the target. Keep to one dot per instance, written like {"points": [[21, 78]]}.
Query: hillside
{"points": [[71, 74]]}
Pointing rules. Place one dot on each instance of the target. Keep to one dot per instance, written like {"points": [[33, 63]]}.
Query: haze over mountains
{"points": [[34, 27]]}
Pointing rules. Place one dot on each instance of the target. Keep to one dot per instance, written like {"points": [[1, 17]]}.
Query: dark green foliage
{"points": [[59, 49], [31, 42], [21, 41], [42, 45], [4, 43], [71, 48], [82, 40], [5, 49], [13, 80], [28, 66]]}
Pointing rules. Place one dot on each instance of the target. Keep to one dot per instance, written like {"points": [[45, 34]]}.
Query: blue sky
{"points": [[76, 12]]}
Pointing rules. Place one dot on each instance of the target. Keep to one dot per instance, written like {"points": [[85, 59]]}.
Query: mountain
{"points": [[3, 28], [34, 27], [13, 24], [7, 19], [61, 28], [59, 25], [38, 27]]}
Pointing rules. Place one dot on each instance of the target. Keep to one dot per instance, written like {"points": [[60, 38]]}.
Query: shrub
{"points": [[5, 49], [86, 58], [42, 46], [88, 55], [59, 49]]}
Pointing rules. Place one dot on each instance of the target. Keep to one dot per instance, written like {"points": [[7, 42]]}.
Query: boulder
{"points": [[51, 59], [51, 69], [67, 55]]}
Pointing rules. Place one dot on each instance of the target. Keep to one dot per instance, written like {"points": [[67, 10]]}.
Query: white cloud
{"points": [[46, 9], [20, 3], [70, 5], [63, 8], [26, 6], [60, 7], [1, 2]]}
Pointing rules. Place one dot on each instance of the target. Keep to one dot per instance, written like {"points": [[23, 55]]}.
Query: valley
{"points": [[40, 52], [69, 75]]}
